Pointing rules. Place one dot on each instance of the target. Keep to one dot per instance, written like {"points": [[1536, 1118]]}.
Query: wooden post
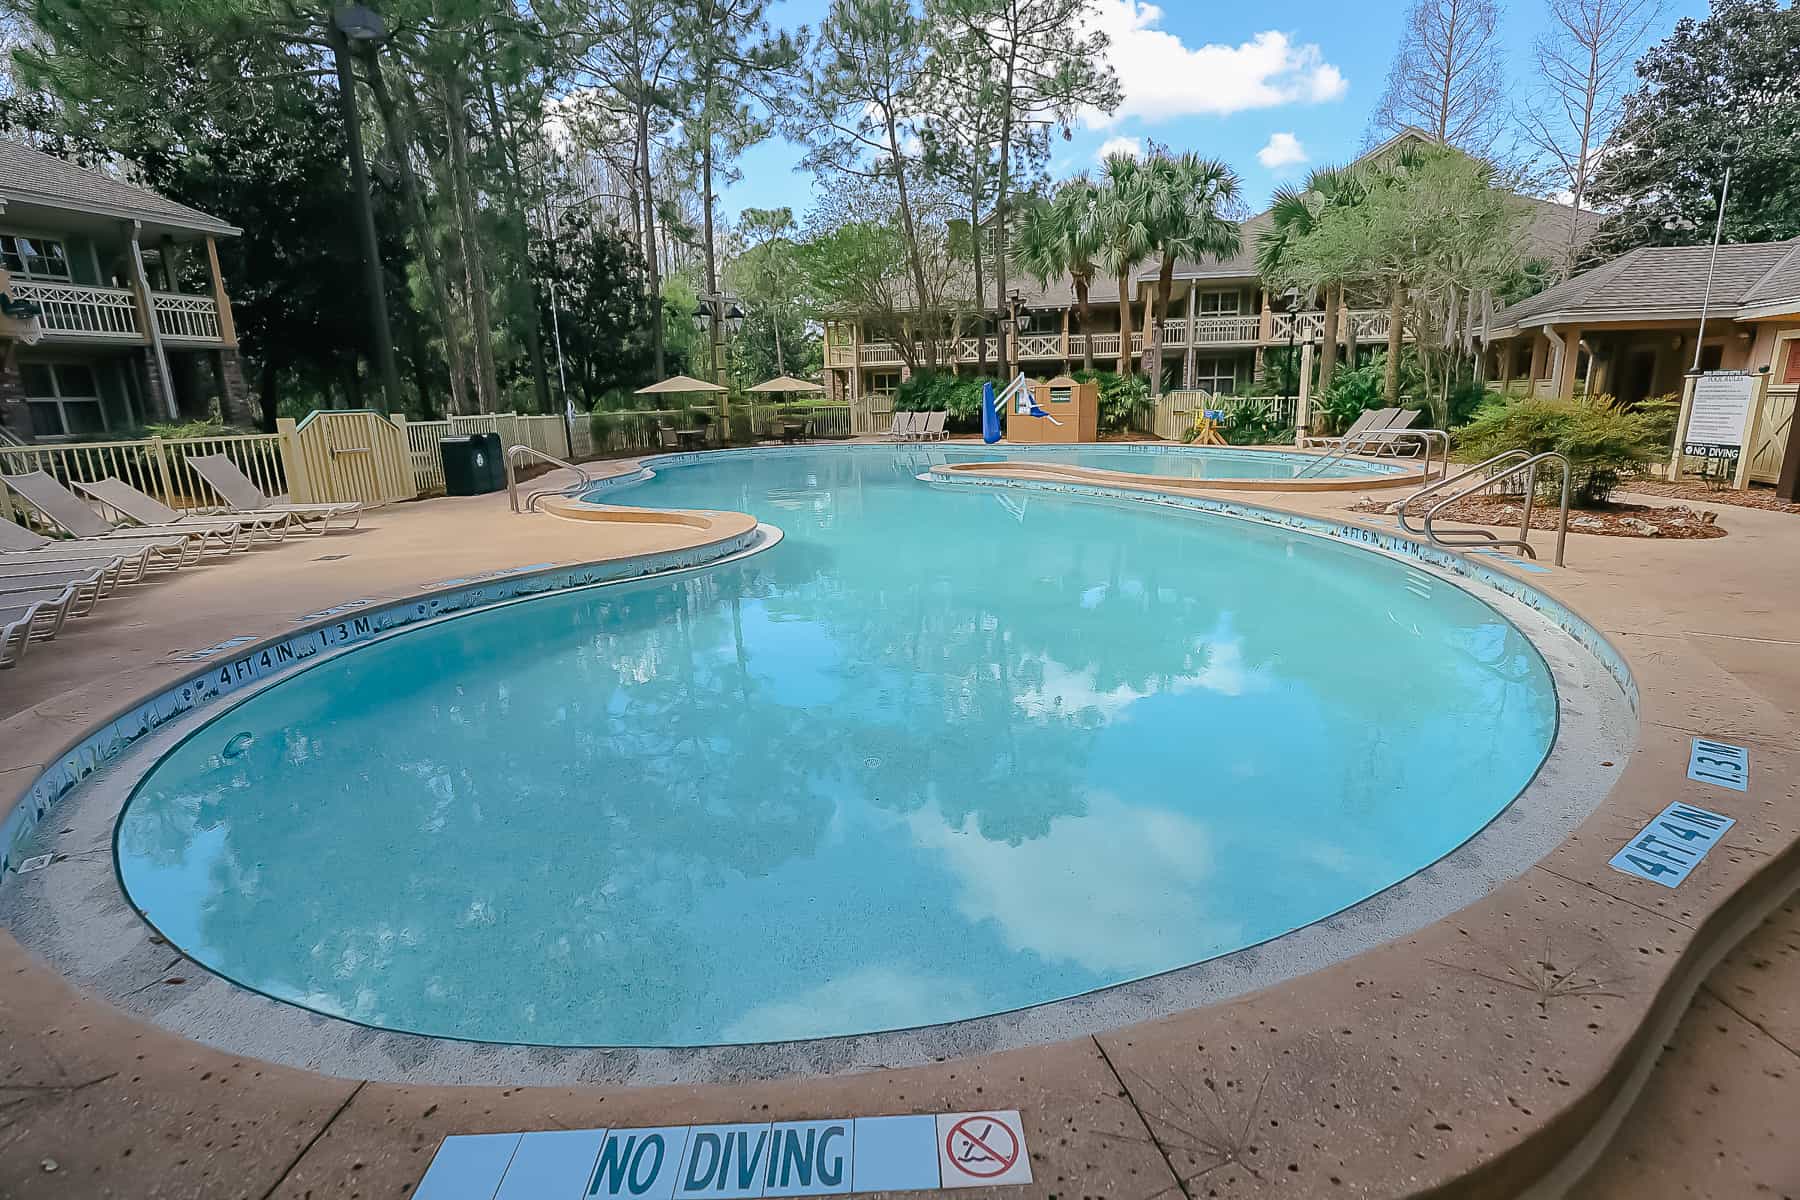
{"points": [[1565, 363], [1752, 427], [293, 462], [140, 290], [227, 324], [1681, 424], [163, 481]]}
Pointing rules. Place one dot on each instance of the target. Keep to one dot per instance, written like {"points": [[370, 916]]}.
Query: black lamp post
{"points": [[355, 25], [1293, 306], [718, 316]]}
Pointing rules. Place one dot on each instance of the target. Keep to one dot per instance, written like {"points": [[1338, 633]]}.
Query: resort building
{"points": [[113, 314], [1628, 329], [1221, 322]]}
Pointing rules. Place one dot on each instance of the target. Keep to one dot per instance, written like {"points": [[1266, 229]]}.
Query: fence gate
{"points": [[336, 456], [1772, 433]]}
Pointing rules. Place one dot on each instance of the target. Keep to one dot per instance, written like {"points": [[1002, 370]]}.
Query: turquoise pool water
{"points": [[1191, 462], [938, 754]]}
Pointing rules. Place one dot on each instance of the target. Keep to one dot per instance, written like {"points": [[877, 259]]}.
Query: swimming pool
{"points": [[938, 754], [1152, 458]]}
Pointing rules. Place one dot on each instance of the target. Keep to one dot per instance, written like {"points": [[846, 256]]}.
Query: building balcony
{"points": [[1234, 332], [80, 313]]}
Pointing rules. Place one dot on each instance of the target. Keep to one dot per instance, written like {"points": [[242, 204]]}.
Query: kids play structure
{"points": [[1061, 411]]}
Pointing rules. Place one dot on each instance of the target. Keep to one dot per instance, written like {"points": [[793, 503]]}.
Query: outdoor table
{"points": [[691, 439]]}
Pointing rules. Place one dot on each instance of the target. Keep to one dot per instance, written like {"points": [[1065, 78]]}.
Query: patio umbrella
{"points": [[677, 384], [787, 383]]}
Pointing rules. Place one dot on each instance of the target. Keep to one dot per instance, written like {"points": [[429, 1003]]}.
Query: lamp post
{"points": [[355, 26], [1730, 150], [1018, 319], [1292, 296]]}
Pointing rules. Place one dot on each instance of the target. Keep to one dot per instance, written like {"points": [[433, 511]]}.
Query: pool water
{"points": [[940, 753]]}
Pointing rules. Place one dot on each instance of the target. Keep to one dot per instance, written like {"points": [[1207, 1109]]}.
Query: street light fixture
{"points": [[352, 27]]}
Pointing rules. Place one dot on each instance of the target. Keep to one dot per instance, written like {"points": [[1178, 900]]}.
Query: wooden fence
{"points": [[155, 466], [342, 455], [548, 434]]}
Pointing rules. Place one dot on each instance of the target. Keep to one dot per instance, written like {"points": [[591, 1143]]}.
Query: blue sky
{"points": [[1272, 89]]}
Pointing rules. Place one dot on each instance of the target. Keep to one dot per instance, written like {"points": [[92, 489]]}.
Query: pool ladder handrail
{"points": [[1427, 438], [1521, 462], [514, 455]]}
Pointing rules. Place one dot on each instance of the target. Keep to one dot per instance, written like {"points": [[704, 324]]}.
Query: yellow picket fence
{"points": [[155, 466], [338, 456]]}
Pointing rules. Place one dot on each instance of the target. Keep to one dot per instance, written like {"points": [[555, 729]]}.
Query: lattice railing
{"points": [[71, 308], [189, 318]]}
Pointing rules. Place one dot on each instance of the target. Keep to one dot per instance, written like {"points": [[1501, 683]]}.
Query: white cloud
{"points": [[1283, 150], [1119, 145], [1163, 78]]}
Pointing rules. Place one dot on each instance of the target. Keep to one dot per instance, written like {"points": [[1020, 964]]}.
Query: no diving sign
{"points": [[731, 1162], [981, 1148]]}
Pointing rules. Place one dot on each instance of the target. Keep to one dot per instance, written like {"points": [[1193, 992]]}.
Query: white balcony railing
{"points": [[185, 318], [1371, 325], [82, 311]]}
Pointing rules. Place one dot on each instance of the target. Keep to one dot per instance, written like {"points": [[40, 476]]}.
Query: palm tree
{"points": [[1125, 238], [1295, 213], [1061, 238], [1187, 196]]}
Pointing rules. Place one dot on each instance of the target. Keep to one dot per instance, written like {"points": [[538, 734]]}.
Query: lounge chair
{"points": [[93, 579], [15, 632], [1380, 439], [242, 496], [21, 545], [898, 425], [147, 510], [66, 510], [914, 429], [41, 613], [1372, 418], [934, 426]]}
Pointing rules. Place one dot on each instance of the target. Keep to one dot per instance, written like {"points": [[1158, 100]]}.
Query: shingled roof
{"points": [[1664, 283], [31, 177]]}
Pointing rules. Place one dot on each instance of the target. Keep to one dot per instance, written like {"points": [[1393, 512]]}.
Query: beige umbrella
{"points": [[787, 383], [677, 384]]}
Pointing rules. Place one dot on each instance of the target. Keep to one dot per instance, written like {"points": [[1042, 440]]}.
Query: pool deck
{"points": [[1462, 1059]]}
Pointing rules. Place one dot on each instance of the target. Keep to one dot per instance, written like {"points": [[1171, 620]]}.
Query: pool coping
{"points": [[1438, 1014]]}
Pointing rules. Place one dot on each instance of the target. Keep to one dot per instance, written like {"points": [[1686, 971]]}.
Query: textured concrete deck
{"points": [[1464, 1057]]}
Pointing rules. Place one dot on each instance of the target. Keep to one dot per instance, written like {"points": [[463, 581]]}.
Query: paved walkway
{"points": [[96, 1104]]}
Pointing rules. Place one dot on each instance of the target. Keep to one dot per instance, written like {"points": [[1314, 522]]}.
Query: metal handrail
{"points": [[1527, 464], [513, 455]]}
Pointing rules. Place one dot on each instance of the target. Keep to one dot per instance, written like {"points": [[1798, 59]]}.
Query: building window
{"points": [[1216, 375], [33, 257], [1791, 372], [884, 381], [64, 399], [1219, 304]]}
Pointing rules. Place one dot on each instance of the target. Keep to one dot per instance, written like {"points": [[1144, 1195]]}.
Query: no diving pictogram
{"points": [[982, 1146]]}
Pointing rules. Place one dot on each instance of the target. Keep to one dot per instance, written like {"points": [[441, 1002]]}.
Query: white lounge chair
{"points": [[898, 425], [1382, 439], [24, 546], [15, 632], [934, 426], [1371, 418], [93, 580], [66, 510], [241, 495], [147, 510], [40, 615]]}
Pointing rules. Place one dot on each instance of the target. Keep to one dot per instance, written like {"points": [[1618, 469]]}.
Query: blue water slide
{"points": [[990, 414]]}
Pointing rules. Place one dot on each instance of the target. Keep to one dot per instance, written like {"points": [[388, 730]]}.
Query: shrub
{"points": [[1251, 421], [958, 396], [1121, 397], [1604, 441]]}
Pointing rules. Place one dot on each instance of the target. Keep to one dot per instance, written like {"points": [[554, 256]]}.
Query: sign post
{"points": [[1720, 411]]}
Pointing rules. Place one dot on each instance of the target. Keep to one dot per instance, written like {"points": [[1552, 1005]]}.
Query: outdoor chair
{"points": [[667, 438], [42, 613], [1380, 439], [70, 512], [15, 632], [914, 429], [23, 546], [898, 426], [1372, 418], [241, 495], [134, 505], [93, 580], [934, 425]]}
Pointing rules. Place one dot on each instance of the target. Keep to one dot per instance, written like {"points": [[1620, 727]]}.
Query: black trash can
{"points": [[472, 465]]}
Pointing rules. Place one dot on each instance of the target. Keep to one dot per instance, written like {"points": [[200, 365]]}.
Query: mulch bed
{"points": [[1700, 493], [1610, 520]]}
